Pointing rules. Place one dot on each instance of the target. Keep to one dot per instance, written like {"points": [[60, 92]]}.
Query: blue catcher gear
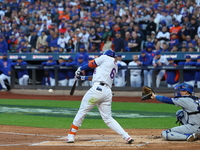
{"points": [[110, 53], [183, 87], [179, 116]]}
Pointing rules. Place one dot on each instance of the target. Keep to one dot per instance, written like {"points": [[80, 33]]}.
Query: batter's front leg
{"points": [[105, 111]]}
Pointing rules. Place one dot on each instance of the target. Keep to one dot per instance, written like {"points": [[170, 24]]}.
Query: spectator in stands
{"points": [[41, 40], [188, 75], [172, 76], [23, 75], [151, 26], [95, 39], [165, 47], [183, 33], [134, 43], [193, 28], [70, 46], [174, 48], [163, 36], [107, 44], [3, 45], [12, 41], [5, 65], [62, 41], [78, 44], [85, 38], [50, 62], [118, 42], [106, 33], [174, 40], [33, 38]]}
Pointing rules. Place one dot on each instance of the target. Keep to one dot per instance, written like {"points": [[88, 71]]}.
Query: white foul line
{"points": [[30, 134], [15, 144]]}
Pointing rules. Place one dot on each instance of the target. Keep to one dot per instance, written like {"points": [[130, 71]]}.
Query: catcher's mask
{"points": [[183, 87]]}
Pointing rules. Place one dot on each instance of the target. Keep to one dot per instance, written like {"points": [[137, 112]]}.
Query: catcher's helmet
{"points": [[110, 53], [183, 87]]}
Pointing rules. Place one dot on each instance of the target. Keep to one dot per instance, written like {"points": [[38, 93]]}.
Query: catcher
{"points": [[188, 117]]}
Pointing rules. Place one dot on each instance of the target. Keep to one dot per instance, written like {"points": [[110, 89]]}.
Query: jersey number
{"points": [[112, 74]]}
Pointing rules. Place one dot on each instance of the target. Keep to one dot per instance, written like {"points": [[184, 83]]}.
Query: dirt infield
{"points": [[23, 138]]}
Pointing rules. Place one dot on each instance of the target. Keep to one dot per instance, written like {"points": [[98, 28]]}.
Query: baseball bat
{"points": [[73, 88]]}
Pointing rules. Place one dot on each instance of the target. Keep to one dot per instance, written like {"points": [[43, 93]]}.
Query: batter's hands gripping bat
{"points": [[147, 93], [73, 88]]}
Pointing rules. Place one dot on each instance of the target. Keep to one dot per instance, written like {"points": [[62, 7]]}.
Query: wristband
{"points": [[84, 78]]}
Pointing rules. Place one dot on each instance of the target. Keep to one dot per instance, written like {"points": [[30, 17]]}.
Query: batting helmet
{"points": [[110, 53], [183, 87]]}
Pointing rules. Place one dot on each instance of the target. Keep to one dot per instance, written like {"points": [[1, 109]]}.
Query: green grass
{"points": [[32, 120]]}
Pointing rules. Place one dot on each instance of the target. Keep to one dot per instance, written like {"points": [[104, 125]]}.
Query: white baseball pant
{"points": [[2, 78], [159, 77], [102, 97], [52, 81], [172, 85], [71, 82], [87, 83], [147, 77], [198, 84], [62, 82], [135, 80], [190, 82], [119, 81], [24, 80]]}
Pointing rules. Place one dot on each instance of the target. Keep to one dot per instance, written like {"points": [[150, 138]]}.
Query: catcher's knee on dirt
{"points": [[168, 135]]}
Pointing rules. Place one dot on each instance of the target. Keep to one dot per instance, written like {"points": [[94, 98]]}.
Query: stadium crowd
{"points": [[83, 26], [43, 26]]}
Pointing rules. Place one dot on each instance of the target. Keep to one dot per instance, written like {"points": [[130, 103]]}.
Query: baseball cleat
{"points": [[192, 137], [70, 138], [130, 140], [69, 141]]}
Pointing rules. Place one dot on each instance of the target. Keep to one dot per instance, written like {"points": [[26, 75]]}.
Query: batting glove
{"points": [[78, 72]]}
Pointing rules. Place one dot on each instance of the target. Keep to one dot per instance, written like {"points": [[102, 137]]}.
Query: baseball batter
{"points": [[189, 116], [99, 94]]}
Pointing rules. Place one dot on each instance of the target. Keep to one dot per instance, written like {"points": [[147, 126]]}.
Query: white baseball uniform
{"points": [[135, 75], [161, 73], [119, 79], [100, 94]]}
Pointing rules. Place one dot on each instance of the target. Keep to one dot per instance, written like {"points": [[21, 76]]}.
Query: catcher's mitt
{"points": [[146, 93]]}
